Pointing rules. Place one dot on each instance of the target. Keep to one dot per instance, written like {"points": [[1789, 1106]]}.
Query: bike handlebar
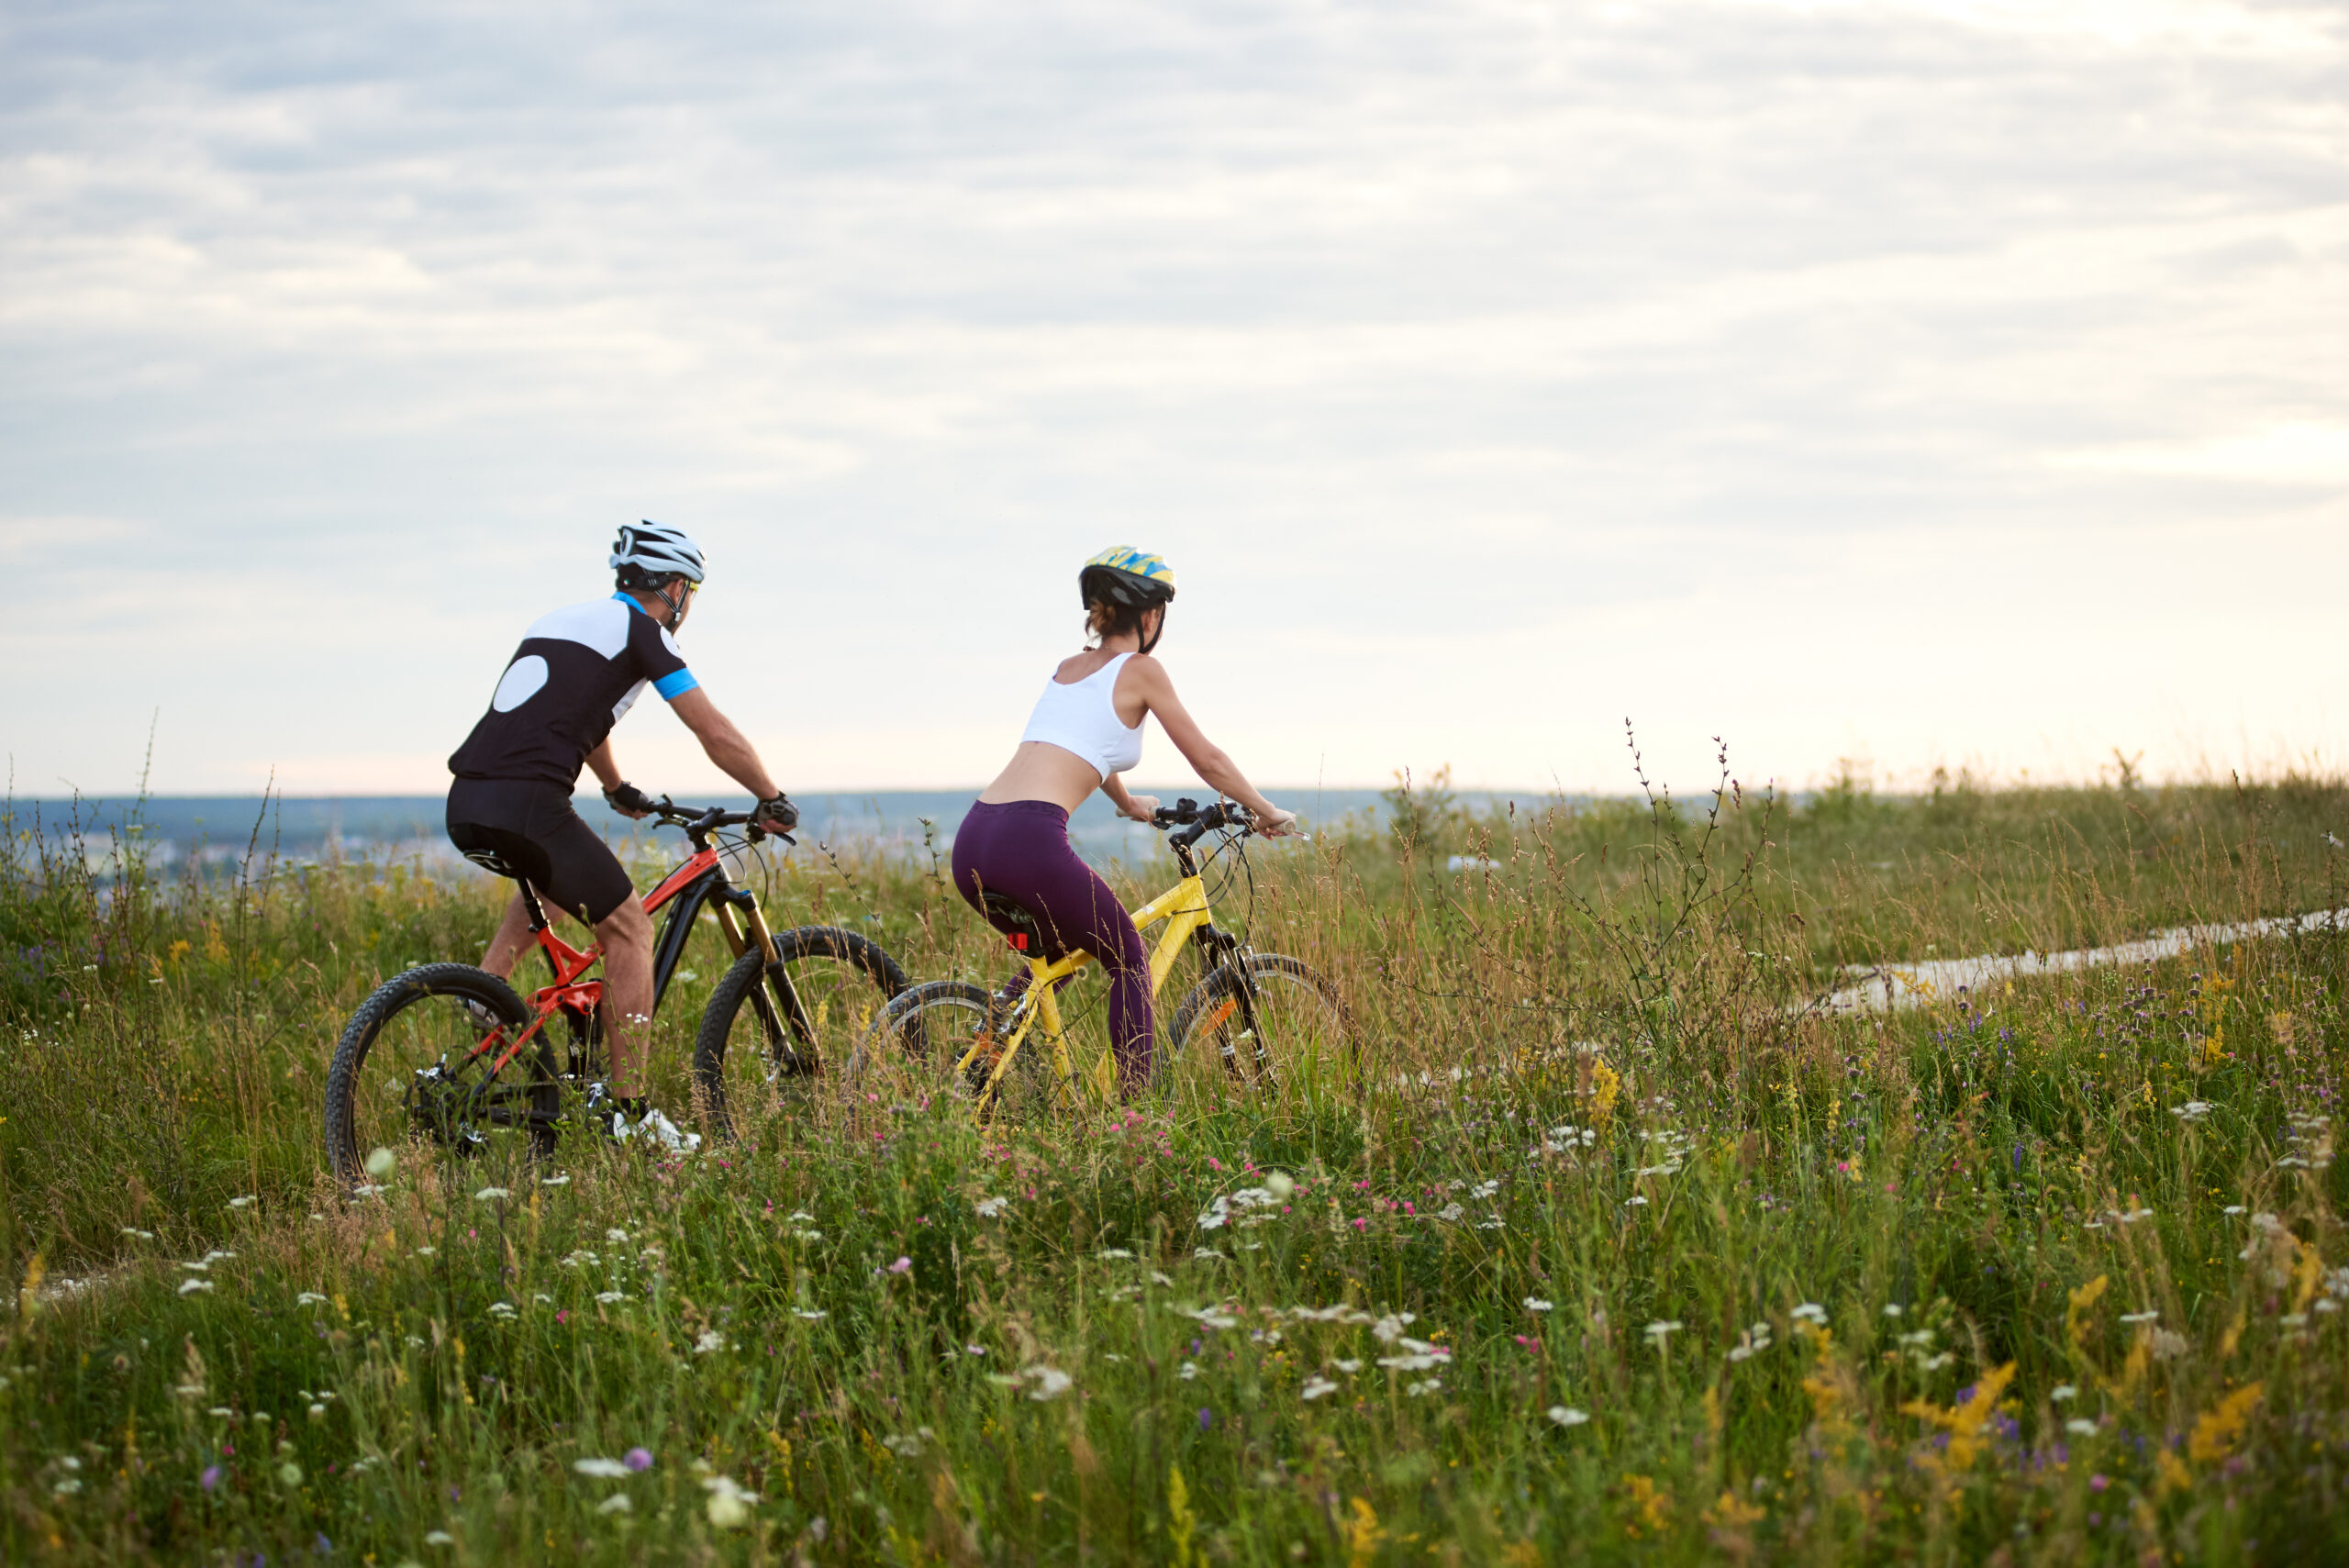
{"points": [[1196, 822], [697, 821]]}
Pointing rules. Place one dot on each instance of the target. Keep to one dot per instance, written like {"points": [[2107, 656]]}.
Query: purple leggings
{"points": [[1020, 850]]}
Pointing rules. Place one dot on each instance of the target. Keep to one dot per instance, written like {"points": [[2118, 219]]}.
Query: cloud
{"points": [[1422, 338]]}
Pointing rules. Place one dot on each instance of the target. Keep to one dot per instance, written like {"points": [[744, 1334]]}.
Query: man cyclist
{"points": [[576, 673]]}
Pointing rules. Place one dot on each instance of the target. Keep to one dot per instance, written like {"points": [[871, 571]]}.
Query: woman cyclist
{"points": [[1086, 731]]}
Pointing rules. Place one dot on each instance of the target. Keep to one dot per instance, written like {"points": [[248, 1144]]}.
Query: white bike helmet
{"points": [[648, 551]]}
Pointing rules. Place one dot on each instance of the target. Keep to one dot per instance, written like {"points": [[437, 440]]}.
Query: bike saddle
{"points": [[494, 864], [1018, 925]]}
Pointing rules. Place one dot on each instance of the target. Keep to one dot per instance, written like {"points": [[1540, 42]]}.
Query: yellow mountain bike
{"points": [[1253, 1018]]}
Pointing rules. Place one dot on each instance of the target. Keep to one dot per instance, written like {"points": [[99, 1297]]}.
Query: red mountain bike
{"points": [[448, 1055]]}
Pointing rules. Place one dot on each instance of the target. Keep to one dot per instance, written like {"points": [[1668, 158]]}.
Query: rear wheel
{"points": [[1281, 1022], [420, 1065], [764, 1028], [913, 1052]]}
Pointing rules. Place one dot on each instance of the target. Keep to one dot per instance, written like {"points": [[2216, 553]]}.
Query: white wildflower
{"points": [[986, 1209], [1316, 1387], [601, 1469], [1567, 1416], [1535, 1304], [1051, 1382], [730, 1506]]}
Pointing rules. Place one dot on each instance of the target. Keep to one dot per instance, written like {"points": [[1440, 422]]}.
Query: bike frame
{"points": [[1187, 912], [701, 882]]}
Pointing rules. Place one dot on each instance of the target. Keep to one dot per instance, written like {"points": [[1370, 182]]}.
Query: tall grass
{"points": [[1616, 1249]]}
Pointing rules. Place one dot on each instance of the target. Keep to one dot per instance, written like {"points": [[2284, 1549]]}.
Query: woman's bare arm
{"points": [[1209, 760]]}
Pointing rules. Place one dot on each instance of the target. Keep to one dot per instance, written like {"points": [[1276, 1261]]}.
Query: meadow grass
{"points": [[1616, 1248]]}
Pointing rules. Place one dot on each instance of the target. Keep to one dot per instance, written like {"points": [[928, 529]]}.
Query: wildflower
{"points": [[317, 1412], [1811, 1312], [137, 1234], [190, 1286], [614, 1234], [70, 1485], [209, 1478], [492, 1195], [561, 1181], [1316, 1387], [1214, 1318], [1051, 1382], [798, 1214], [1205, 1255], [2146, 1317], [1567, 1416], [1892, 1309], [601, 1469], [2080, 1428], [637, 1458], [1113, 1254], [309, 1298], [730, 1506], [424, 1251], [1281, 1185], [2192, 1110], [1660, 1330], [711, 1339], [1535, 1304], [618, 1503], [1427, 1385], [803, 1312], [1347, 1367], [1187, 1371], [611, 1297], [974, 1349], [2232, 1208], [245, 1202], [381, 1162], [988, 1207], [290, 1473], [1486, 1189], [1389, 1328], [439, 1538], [502, 1310]]}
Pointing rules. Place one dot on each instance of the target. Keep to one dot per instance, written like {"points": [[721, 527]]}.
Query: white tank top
{"points": [[1082, 718]]}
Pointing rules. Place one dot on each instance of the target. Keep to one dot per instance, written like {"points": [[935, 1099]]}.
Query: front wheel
{"points": [[767, 1025], [1256, 1027], [429, 1059]]}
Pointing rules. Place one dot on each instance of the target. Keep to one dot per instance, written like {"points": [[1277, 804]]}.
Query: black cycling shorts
{"points": [[521, 828]]}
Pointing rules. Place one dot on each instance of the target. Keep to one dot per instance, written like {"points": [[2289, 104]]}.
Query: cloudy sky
{"points": [[1925, 381]]}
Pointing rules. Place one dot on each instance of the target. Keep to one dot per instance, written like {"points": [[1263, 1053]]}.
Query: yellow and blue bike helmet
{"points": [[1133, 579], [1124, 575]]}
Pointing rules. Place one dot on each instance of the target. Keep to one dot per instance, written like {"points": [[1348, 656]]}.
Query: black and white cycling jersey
{"points": [[575, 673]]}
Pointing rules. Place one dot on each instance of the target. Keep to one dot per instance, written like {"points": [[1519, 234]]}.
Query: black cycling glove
{"points": [[778, 814], [626, 797]]}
